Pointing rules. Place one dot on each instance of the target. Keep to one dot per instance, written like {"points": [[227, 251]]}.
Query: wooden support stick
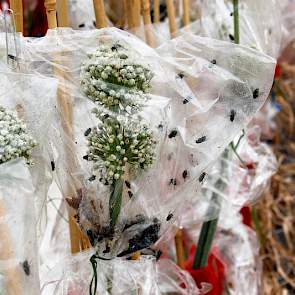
{"points": [[62, 13], [156, 11], [50, 6], [179, 249], [100, 14], [145, 5], [11, 273], [146, 12], [136, 12], [136, 255], [17, 7], [186, 9], [133, 13], [171, 17]]}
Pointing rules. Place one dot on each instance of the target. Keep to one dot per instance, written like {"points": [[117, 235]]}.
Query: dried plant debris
{"points": [[276, 211]]}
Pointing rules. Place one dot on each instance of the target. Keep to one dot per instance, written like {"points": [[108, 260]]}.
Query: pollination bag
{"points": [[139, 127], [239, 178], [24, 176], [260, 23], [144, 276]]}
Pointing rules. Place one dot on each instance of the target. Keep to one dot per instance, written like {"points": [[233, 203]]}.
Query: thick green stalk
{"points": [[209, 227], [236, 21]]}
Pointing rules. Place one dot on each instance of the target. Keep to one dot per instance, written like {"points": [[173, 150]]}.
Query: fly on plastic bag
{"points": [[141, 126]]}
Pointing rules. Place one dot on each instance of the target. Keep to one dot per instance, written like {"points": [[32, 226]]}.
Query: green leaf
{"points": [[116, 202]]}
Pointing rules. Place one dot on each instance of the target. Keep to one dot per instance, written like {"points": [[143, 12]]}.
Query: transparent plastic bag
{"points": [[235, 180], [81, 14], [32, 97], [190, 122], [73, 276], [173, 280], [260, 23], [18, 243]]}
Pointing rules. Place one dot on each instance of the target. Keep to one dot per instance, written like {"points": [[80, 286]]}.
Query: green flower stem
{"points": [[205, 242], [116, 201], [209, 227], [236, 21]]}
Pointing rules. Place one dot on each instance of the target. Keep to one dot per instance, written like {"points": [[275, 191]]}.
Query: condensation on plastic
{"points": [[260, 23], [190, 94], [32, 97], [241, 184], [19, 263]]}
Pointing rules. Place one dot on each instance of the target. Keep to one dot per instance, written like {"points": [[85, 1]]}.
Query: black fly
{"points": [[213, 61], [232, 115], [256, 93], [92, 178], [172, 134], [52, 165], [170, 215], [127, 183], [201, 139], [85, 157], [173, 181], [181, 75], [115, 47], [26, 267], [187, 100], [184, 174], [130, 194], [231, 37], [87, 132], [202, 176]]}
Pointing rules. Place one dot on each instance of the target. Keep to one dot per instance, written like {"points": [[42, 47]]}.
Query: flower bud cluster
{"points": [[113, 79], [15, 142], [116, 144]]}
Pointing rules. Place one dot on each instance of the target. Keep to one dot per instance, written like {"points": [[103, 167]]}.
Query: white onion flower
{"points": [[118, 142], [15, 142], [114, 78]]}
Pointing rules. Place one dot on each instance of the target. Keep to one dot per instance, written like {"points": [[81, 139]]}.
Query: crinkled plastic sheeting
{"points": [[73, 274], [200, 97], [81, 13], [173, 280], [243, 181], [18, 243], [260, 23], [237, 247], [32, 97]]}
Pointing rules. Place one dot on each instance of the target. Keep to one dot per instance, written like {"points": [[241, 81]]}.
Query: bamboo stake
{"points": [[100, 14], [65, 107], [133, 13], [136, 12], [179, 249], [12, 275], [186, 16], [156, 11], [17, 7], [50, 6], [145, 5], [171, 17], [62, 13]]}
